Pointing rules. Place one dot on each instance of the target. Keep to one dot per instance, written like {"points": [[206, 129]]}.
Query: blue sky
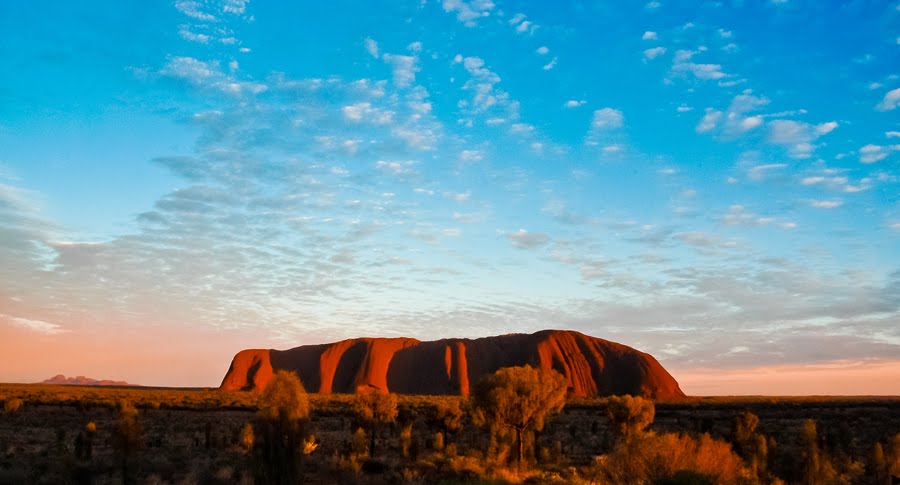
{"points": [[713, 182]]}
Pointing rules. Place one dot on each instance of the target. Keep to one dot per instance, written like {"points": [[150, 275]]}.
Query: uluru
{"points": [[593, 366]]}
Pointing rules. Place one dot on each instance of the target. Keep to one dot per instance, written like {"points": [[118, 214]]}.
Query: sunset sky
{"points": [[715, 183]]}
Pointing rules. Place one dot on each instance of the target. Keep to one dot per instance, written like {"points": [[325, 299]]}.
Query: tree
{"points": [[127, 436], [448, 416], [629, 416], [375, 409], [520, 399], [278, 442]]}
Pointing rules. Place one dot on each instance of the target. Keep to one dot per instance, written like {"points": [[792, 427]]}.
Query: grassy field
{"points": [[194, 435]]}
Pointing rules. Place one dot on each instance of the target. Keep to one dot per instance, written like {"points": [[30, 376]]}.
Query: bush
{"points": [[629, 416], [12, 405], [671, 458]]}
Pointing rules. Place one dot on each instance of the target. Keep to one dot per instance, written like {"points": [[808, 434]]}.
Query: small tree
{"points": [[629, 416], [375, 410], [520, 399], [278, 443], [448, 416], [127, 436]]}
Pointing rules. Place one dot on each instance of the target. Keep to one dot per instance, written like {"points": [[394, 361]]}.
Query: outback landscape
{"points": [[603, 422], [493, 242]]}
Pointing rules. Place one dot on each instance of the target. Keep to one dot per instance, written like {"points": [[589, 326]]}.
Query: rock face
{"points": [[593, 366], [60, 379]]}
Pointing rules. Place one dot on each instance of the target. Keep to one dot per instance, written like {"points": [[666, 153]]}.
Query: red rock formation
{"points": [[593, 366], [60, 379]]}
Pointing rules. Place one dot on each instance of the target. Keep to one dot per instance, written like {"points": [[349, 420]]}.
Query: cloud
{"points": [[468, 12], [874, 153], [607, 119], [826, 204], [760, 172], [404, 68], [574, 103], [709, 121], [653, 5], [371, 47], [485, 96], [542, 50], [192, 9], [738, 215], [522, 26], [550, 65], [649, 35], [193, 37], [798, 136], [523, 239], [38, 326], [364, 112], [209, 75], [654, 52], [890, 101], [682, 65]]}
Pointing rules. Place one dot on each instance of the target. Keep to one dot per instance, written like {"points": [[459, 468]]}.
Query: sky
{"points": [[715, 183]]}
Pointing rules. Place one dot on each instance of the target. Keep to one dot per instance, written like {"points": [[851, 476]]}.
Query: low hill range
{"points": [[593, 366], [60, 379]]}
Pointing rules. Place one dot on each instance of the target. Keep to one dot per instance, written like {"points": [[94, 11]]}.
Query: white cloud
{"points": [[824, 128], [523, 239], [649, 35], [682, 64], [738, 215], [38, 326], [542, 50], [798, 136], [759, 172], [826, 204], [404, 68], [654, 52], [365, 112], [684, 109], [522, 25], [607, 119], [890, 101], [709, 121], [653, 5], [209, 75], [192, 36], [371, 47], [468, 12], [396, 167], [470, 156], [873, 153], [550, 65], [725, 34], [192, 9], [892, 134], [574, 103]]}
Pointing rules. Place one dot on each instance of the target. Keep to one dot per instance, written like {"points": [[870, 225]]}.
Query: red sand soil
{"points": [[593, 366]]}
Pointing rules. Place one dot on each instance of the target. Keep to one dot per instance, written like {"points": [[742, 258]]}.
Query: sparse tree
{"points": [[375, 410], [127, 436], [629, 416], [278, 441], [520, 399], [448, 416]]}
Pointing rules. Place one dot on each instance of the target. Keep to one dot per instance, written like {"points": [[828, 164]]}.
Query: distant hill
{"points": [[83, 381], [593, 366]]}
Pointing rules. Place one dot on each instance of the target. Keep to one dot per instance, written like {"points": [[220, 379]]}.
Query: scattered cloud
{"points": [[550, 65], [523, 239], [890, 101], [683, 65], [542, 50], [649, 35], [468, 12], [607, 119], [371, 47], [574, 103], [654, 52], [826, 204], [798, 136]]}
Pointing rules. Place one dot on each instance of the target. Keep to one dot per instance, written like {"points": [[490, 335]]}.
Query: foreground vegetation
{"points": [[516, 428]]}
